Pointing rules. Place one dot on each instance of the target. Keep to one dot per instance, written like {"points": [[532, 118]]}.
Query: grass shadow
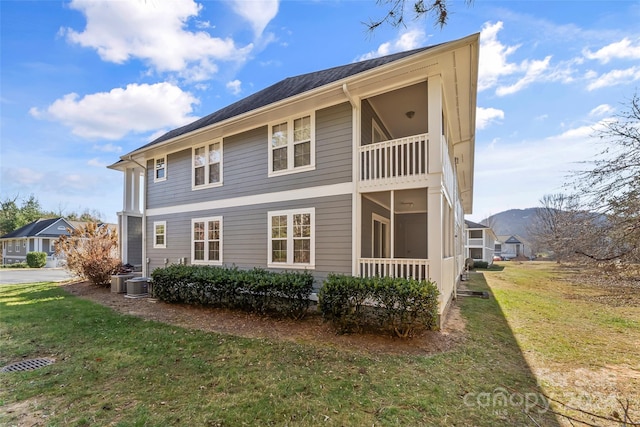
{"points": [[511, 384]]}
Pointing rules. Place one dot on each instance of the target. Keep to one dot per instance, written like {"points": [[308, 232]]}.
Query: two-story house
{"points": [[37, 236], [362, 169], [480, 242]]}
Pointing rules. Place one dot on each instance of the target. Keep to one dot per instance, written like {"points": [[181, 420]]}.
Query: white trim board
{"points": [[258, 199]]}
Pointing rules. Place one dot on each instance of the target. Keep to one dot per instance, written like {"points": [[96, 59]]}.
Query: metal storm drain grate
{"points": [[28, 365]]}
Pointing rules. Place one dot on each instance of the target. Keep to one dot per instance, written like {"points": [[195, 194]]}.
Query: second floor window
{"points": [[292, 145], [160, 173], [207, 165]]}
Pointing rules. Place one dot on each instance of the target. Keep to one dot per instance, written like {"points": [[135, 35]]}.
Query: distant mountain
{"points": [[513, 221]]}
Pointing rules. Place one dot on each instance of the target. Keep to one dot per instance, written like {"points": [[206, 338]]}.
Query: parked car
{"points": [[497, 258], [508, 257]]}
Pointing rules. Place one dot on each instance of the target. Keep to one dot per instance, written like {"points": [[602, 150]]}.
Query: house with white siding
{"points": [[480, 241], [363, 169]]}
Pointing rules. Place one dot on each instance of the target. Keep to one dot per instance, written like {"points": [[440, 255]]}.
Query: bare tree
{"points": [[398, 9], [611, 186], [553, 228]]}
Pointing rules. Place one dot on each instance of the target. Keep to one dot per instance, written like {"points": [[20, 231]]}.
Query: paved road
{"points": [[12, 276]]}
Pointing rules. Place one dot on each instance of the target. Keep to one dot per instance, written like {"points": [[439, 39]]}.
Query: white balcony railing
{"points": [[394, 267], [393, 161]]}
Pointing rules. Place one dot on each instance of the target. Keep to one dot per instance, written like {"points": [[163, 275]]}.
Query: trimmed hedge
{"points": [[402, 307], [256, 290], [36, 259], [480, 264]]}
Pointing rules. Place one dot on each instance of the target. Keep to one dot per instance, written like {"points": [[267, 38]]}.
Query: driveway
{"points": [[12, 276]]}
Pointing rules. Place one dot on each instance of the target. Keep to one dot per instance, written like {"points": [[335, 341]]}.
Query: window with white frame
{"points": [[292, 238], [377, 135], [17, 244], [160, 234], [206, 240], [292, 145], [207, 165], [9, 247], [160, 169]]}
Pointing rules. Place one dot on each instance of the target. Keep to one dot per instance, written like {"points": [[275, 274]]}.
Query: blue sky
{"points": [[84, 82]]}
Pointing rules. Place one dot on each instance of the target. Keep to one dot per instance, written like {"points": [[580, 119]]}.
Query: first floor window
{"points": [[160, 234], [206, 240], [17, 245], [291, 238]]}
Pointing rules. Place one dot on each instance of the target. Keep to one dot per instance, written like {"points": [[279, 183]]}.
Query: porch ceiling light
{"points": [[410, 114]]}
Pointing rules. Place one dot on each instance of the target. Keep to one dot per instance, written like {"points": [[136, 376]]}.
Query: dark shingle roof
{"points": [[471, 224], [32, 229], [513, 239], [284, 89]]}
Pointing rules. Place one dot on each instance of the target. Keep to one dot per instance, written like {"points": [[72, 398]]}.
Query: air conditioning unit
{"points": [[137, 287], [119, 283]]}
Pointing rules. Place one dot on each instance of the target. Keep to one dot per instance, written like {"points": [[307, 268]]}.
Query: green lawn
{"points": [[113, 369], [581, 343]]}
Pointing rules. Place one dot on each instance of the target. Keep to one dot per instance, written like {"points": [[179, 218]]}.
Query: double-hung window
{"points": [[207, 165], [160, 234], [292, 145], [206, 241], [292, 238], [160, 169]]}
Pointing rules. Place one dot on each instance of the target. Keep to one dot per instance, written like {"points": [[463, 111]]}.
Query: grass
{"points": [[533, 336], [583, 350]]}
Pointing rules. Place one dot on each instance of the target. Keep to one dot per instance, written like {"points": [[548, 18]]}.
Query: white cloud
{"points": [[95, 162], [495, 67], [614, 78], [108, 148], [111, 115], [526, 170], [493, 57], [534, 71], [602, 110], [155, 32], [624, 49], [258, 13], [487, 116], [235, 87], [407, 40]]}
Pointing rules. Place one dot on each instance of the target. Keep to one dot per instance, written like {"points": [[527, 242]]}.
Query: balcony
{"points": [[395, 161], [404, 162], [394, 267]]}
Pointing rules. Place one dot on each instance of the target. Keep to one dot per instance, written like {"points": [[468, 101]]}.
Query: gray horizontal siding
{"points": [[245, 232], [246, 164]]}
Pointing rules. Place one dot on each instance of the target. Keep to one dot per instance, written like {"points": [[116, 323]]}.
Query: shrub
{"points": [[480, 264], [402, 307], [16, 265], [256, 290], [91, 252], [36, 259]]}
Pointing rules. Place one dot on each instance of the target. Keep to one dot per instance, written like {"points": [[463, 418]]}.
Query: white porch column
{"points": [[434, 123], [435, 234]]}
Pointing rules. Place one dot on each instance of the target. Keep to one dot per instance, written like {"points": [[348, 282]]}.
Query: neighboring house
{"points": [[363, 169], [479, 242], [38, 236], [509, 247]]}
